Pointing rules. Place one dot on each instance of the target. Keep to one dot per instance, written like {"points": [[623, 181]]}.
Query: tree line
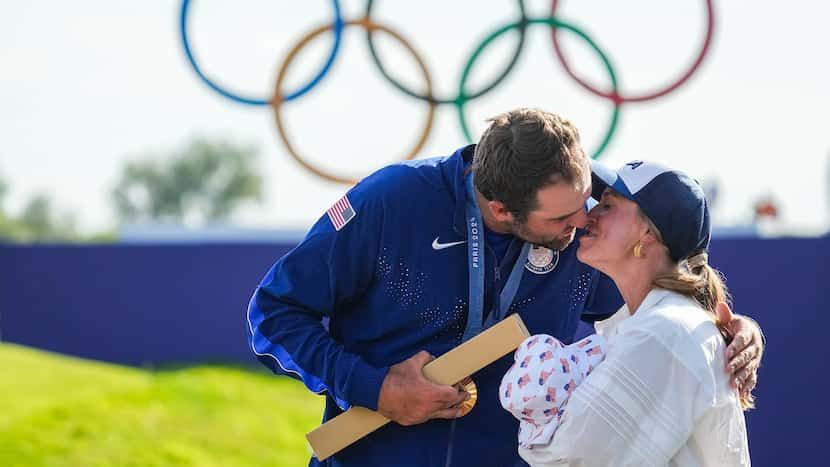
{"points": [[203, 182]]}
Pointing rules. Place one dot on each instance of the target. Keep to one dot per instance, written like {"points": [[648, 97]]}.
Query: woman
{"points": [[661, 395]]}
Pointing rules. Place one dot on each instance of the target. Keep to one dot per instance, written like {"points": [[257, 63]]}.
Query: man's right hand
{"points": [[408, 398]]}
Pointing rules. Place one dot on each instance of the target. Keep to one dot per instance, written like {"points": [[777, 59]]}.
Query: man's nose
{"points": [[580, 219]]}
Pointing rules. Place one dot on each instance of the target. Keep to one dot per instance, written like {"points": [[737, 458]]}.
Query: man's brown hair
{"points": [[523, 151]]}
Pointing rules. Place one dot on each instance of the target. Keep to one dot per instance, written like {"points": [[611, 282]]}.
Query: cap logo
{"points": [[637, 174]]}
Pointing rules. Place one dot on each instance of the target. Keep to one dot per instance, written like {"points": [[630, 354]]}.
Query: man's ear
{"points": [[500, 213]]}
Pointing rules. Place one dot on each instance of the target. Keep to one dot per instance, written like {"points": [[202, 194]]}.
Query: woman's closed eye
{"points": [[603, 207]]}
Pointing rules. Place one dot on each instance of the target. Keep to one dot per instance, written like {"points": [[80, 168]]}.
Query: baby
{"points": [[545, 373]]}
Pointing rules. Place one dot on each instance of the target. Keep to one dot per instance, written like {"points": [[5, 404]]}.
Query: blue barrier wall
{"points": [[186, 303], [132, 304]]}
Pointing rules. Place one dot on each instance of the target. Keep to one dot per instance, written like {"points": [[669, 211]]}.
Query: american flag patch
{"points": [[341, 213]]}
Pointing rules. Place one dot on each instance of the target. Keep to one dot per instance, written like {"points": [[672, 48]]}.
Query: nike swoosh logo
{"points": [[441, 246]]}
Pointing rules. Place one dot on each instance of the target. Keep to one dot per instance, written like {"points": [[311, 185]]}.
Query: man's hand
{"points": [[744, 352], [408, 398]]}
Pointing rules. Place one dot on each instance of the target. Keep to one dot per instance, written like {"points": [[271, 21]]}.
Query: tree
{"points": [[206, 181], [3, 188], [38, 221], [6, 224]]}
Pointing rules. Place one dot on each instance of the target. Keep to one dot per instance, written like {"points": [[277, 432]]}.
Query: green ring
{"points": [[554, 23]]}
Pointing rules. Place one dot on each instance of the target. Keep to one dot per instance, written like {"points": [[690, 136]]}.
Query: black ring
{"points": [[467, 97]]}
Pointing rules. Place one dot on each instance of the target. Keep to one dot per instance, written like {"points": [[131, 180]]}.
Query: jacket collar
{"points": [[454, 171], [609, 326]]}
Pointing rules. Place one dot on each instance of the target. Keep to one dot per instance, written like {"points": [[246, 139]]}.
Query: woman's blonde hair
{"points": [[694, 278]]}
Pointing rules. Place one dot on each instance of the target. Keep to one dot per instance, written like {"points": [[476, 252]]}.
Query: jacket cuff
{"points": [[364, 386]]}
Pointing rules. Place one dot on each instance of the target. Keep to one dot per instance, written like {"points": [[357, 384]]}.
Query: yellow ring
{"points": [[276, 101]]}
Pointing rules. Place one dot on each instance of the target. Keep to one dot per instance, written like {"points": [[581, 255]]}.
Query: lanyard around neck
{"points": [[475, 265]]}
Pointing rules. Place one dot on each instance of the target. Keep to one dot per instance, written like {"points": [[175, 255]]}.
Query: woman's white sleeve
{"points": [[638, 407]]}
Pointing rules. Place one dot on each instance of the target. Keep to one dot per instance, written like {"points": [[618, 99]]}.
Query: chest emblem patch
{"points": [[541, 260]]}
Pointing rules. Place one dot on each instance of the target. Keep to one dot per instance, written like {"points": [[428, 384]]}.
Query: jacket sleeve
{"points": [[329, 267]]}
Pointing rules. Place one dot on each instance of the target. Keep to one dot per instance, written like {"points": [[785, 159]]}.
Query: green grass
{"points": [[63, 411]]}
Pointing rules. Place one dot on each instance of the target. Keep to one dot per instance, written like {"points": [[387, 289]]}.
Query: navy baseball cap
{"points": [[672, 200]]}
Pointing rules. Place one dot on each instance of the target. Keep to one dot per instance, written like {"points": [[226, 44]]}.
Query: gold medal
{"points": [[469, 386]]}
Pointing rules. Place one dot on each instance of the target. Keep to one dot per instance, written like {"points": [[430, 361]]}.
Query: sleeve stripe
{"points": [[262, 347]]}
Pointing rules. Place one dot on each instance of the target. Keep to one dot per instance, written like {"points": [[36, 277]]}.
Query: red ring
{"points": [[619, 98]]}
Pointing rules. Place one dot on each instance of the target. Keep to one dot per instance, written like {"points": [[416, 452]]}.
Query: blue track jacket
{"points": [[345, 304]]}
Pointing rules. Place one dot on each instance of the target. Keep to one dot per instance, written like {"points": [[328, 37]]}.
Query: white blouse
{"points": [[661, 397]]}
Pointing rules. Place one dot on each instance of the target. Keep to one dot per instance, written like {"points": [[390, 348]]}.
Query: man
{"points": [[419, 257]]}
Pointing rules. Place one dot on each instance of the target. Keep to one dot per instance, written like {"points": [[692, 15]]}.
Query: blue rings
{"points": [[338, 33]]}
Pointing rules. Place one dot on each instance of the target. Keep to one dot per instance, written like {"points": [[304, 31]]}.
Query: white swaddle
{"points": [[544, 374]]}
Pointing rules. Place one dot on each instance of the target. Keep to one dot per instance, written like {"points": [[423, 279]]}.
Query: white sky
{"points": [[86, 86]]}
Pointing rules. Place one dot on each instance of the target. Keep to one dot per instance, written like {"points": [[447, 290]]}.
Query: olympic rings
{"points": [[338, 32], [519, 47], [616, 96], [277, 104], [554, 24], [338, 24]]}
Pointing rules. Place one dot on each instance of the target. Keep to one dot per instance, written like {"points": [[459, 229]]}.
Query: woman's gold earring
{"points": [[638, 250]]}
